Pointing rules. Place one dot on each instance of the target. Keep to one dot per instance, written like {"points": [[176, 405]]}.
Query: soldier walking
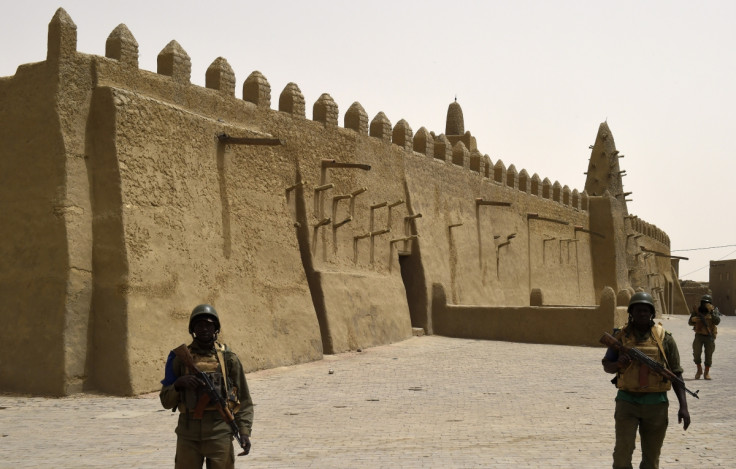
{"points": [[704, 321]]}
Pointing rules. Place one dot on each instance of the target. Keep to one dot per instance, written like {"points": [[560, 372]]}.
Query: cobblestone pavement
{"points": [[427, 402]]}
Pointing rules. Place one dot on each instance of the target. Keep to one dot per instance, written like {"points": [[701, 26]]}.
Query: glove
{"points": [[623, 361], [245, 444], [187, 382]]}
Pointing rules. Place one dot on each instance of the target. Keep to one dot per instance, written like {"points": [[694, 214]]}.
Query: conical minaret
{"points": [[455, 127], [455, 124], [604, 173]]}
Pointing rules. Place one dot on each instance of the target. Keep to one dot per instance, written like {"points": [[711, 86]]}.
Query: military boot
{"points": [[698, 373], [707, 374]]}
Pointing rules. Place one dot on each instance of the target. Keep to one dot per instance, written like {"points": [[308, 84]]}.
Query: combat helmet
{"points": [[641, 297], [204, 310], [706, 299]]}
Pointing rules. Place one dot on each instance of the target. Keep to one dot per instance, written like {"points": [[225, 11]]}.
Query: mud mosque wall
{"points": [[129, 196]]}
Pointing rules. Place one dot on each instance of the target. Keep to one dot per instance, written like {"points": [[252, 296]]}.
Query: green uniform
{"points": [[209, 436], [705, 337], [645, 411]]}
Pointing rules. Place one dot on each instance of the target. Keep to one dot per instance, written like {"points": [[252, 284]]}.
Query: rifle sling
{"points": [[658, 340], [221, 360]]}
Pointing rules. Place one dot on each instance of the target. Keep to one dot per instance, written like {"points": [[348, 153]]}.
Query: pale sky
{"points": [[534, 79]]}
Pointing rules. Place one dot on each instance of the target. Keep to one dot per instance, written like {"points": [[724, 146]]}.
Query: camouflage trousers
{"points": [[703, 342]]}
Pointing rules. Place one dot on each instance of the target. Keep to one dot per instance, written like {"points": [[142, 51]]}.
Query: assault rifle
{"points": [[636, 354], [214, 396]]}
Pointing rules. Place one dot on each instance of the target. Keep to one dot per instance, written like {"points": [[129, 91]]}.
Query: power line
{"points": [[698, 270], [702, 249]]}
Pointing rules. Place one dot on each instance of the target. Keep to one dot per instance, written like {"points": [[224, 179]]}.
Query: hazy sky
{"points": [[534, 79]]}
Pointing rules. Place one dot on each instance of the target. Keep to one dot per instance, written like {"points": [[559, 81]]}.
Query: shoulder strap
{"points": [[221, 360], [658, 334]]}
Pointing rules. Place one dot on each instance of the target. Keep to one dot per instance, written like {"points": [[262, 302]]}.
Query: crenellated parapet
{"points": [[442, 148], [381, 128], [524, 181], [456, 146], [461, 155], [221, 77], [478, 162], [257, 90], [325, 110], [122, 46], [403, 135], [62, 39], [173, 61], [499, 172], [291, 101], [649, 230], [357, 119], [424, 142]]}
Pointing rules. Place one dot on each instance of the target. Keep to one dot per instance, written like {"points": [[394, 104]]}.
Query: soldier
{"points": [[641, 401], [202, 433], [704, 321]]}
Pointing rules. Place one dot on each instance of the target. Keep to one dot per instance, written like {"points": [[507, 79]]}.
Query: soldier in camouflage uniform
{"points": [[705, 334], [202, 433], [641, 402]]}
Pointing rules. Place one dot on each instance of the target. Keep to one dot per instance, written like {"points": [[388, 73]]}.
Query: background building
{"points": [[723, 285]]}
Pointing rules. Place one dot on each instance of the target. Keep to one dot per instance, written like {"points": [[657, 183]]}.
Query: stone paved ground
{"points": [[428, 402]]}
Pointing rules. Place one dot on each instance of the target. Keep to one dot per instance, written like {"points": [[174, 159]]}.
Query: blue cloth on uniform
{"points": [[612, 353], [169, 376]]}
